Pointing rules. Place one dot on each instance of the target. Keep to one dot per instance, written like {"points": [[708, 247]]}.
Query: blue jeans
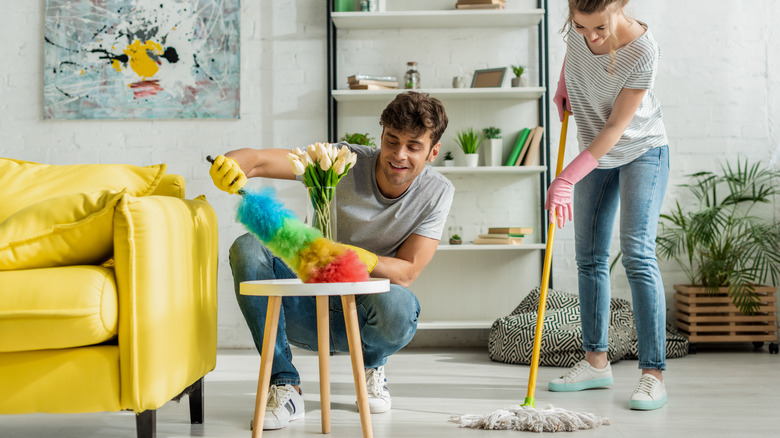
{"points": [[387, 321], [638, 188]]}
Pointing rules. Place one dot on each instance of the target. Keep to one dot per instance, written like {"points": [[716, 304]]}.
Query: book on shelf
{"points": [[510, 230], [521, 137], [480, 6], [524, 150], [370, 87], [533, 147], [388, 84], [500, 235], [362, 77], [498, 241]]}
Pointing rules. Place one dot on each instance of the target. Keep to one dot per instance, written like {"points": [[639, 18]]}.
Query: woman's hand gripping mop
{"points": [[526, 416]]}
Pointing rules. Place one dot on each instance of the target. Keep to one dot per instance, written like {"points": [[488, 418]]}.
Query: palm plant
{"points": [[721, 242]]}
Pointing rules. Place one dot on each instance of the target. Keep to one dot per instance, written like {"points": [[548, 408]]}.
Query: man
{"points": [[390, 204]]}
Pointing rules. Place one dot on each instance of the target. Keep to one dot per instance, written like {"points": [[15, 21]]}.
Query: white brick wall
{"points": [[719, 85]]}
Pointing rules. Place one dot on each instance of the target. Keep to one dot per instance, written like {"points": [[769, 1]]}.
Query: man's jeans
{"points": [[638, 188], [388, 321]]}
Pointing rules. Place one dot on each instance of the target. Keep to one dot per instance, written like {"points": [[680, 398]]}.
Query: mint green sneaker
{"points": [[649, 394], [582, 376]]}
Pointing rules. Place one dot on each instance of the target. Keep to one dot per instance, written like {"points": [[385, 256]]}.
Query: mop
{"points": [[314, 258], [526, 416]]}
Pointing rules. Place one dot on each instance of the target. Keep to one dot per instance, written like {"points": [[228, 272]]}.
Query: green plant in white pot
{"points": [[469, 140], [494, 145]]}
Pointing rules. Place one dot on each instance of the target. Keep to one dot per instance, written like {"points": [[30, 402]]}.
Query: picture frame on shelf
{"points": [[489, 77]]}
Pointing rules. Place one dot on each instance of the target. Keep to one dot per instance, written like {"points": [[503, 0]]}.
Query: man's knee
{"points": [[396, 312], [245, 246]]}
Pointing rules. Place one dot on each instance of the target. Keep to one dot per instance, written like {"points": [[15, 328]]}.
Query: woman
{"points": [[606, 83]]}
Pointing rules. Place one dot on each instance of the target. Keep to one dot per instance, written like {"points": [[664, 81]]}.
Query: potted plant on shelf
{"points": [[455, 232], [519, 80], [449, 160], [494, 145], [468, 140], [728, 252], [357, 138]]}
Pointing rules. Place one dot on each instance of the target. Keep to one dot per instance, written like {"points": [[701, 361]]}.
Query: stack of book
{"points": [[526, 149], [503, 236], [480, 4], [370, 82]]}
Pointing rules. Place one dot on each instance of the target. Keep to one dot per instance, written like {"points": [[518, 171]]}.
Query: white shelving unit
{"points": [[466, 286]]}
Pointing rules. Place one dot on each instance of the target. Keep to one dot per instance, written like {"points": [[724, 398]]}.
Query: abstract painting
{"points": [[142, 59]]}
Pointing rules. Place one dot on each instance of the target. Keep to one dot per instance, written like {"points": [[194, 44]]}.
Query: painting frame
{"points": [[142, 59], [488, 78]]}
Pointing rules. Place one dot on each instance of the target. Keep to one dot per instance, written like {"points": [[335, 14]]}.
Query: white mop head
{"points": [[550, 419]]}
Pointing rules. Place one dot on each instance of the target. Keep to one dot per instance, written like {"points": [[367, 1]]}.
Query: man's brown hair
{"points": [[415, 112]]}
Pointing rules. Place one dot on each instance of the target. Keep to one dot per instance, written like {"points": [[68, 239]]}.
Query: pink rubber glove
{"points": [[559, 193], [561, 98]]}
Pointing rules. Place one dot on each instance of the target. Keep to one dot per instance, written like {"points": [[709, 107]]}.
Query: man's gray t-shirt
{"points": [[378, 224]]}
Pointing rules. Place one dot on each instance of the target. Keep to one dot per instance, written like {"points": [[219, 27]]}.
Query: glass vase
{"points": [[321, 210]]}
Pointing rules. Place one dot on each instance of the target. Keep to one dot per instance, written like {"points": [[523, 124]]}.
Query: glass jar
{"points": [[412, 76]]}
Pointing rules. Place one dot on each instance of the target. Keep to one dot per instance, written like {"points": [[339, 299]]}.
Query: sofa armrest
{"points": [[166, 257]]}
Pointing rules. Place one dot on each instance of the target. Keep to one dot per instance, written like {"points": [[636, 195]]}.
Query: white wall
{"points": [[719, 85]]}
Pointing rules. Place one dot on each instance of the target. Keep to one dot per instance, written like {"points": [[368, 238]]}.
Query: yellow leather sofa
{"points": [[108, 290]]}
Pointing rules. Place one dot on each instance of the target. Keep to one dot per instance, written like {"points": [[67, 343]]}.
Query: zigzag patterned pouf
{"points": [[511, 337]]}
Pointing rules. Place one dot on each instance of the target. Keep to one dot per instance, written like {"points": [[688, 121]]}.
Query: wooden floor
{"points": [[728, 391]]}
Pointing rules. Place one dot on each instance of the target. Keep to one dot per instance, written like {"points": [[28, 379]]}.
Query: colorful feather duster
{"points": [[314, 258]]}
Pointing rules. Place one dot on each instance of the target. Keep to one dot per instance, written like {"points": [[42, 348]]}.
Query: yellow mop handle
{"points": [[529, 399]]}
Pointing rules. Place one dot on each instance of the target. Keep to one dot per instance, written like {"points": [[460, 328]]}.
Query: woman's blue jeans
{"points": [[638, 189], [388, 321]]}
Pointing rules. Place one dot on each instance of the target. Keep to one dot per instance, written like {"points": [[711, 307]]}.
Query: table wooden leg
{"points": [[266, 361], [323, 346], [358, 368]]}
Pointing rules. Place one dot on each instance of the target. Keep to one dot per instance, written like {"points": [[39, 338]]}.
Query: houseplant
{"points": [[358, 138], [468, 140], [725, 247], [519, 80], [494, 145], [449, 160]]}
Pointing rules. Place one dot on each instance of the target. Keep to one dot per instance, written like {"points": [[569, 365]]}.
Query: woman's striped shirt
{"points": [[593, 89]]}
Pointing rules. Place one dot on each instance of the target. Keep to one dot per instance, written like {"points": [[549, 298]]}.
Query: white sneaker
{"points": [[582, 376], [284, 405], [379, 400], [649, 394]]}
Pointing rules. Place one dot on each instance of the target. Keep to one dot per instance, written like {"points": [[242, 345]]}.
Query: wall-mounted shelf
{"points": [[457, 325], [518, 93], [444, 19], [472, 247], [480, 170]]}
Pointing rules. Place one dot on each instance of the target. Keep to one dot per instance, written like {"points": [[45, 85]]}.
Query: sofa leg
{"points": [[196, 402], [145, 424]]}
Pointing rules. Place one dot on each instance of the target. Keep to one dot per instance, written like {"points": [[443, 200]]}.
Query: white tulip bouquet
{"points": [[322, 166]]}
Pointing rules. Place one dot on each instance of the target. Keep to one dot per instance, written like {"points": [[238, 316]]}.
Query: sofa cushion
{"points": [[60, 307], [25, 183], [72, 229]]}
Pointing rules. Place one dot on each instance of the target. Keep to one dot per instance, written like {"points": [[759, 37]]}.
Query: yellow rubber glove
{"points": [[367, 257], [227, 174]]}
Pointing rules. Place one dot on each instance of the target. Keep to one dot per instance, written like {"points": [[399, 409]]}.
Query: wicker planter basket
{"points": [[706, 317]]}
